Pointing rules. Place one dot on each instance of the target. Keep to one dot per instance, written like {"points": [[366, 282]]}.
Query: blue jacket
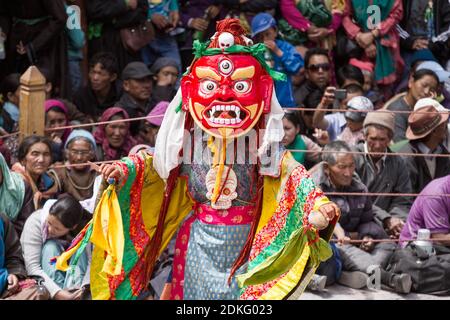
{"points": [[289, 63]]}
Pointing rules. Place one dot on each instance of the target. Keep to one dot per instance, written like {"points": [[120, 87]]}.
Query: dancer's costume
{"points": [[240, 217]]}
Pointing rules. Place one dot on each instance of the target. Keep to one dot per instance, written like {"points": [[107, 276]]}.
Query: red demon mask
{"points": [[226, 94]]}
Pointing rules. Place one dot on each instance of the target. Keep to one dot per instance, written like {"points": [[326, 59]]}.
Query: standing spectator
{"points": [[46, 235], [422, 21], [165, 16], [427, 130], [283, 55], [442, 94], [137, 87], [422, 84], [103, 91], [380, 43], [384, 173], [75, 43], [337, 174], [312, 22], [16, 196], [106, 18], [35, 29], [78, 178], [165, 74], [349, 74], [114, 140], [35, 158]]}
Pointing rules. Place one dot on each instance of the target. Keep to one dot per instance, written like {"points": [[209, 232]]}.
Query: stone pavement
{"points": [[338, 292]]}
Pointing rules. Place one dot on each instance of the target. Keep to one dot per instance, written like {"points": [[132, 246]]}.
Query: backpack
{"points": [[429, 274]]}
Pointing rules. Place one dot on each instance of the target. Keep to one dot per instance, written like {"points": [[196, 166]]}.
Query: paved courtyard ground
{"points": [[338, 292]]}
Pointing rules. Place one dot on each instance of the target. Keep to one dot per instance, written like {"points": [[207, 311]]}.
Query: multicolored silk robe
{"points": [[285, 248]]}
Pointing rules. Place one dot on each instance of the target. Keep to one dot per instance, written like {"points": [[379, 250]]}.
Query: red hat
{"points": [[363, 65]]}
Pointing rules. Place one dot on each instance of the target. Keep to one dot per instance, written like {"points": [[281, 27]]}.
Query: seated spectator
{"points": [[357, 222], [46, 235], [137, 87], [353, 131], [384, 173], [422, 84], [10, 92], [349, 74], [13, 282], [35, 157], [442, 95], [114, 140], [152, 124], [293, 140], [78, 178], [367, 71], [334, 122], [430, 212], [165, 75], [317, 73], [56, 115], [103, 91], [16, 196], [427, 130], [281, 56]]}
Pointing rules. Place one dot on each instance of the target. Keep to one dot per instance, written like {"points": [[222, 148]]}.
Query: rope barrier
{"points": [[404, 154], [364, 111], [385, 240]]}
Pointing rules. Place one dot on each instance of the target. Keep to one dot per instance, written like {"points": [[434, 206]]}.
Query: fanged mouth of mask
{"points": [[225, 115]]}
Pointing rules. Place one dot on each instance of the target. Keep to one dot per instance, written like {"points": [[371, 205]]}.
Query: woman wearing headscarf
{"points": [[114, 140], [16, 196], [56, 115], [35, 158], [78, 178]]}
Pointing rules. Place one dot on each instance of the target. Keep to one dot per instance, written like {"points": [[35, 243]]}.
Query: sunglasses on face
{"points": [[317, 67]]}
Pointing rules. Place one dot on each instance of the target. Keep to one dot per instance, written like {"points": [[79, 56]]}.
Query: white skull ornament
{"points": [[226, 40], [228, 190]]}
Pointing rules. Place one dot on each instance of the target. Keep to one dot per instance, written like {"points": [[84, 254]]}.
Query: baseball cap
{"points": [[442, 74], [261, 22], [135, 70], [359, 103]]}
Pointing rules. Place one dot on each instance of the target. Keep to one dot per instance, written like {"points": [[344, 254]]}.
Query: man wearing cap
{"points": [[427, 130], [137, 86], [281, 53], [384, 173]]}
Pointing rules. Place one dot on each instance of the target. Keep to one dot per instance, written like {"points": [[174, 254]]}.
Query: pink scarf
{"points": [[53, 103], [101, 139]]}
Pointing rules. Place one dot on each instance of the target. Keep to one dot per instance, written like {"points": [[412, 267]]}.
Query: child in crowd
{"points": [[353, 131], [281, 56]]}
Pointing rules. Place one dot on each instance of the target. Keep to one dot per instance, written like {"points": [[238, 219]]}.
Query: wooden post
{"points": [[32, 99]]}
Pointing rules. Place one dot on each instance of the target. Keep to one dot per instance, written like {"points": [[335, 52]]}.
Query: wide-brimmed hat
{"points": [[423, 121]]}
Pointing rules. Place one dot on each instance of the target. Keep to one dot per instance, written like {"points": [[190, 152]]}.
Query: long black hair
{"points": [[29, 141]]}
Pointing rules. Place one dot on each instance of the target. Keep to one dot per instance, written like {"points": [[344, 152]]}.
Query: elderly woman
{"points": [[47, 233], [56, 115], [114, 140], [16, 196], [35, 158], [78, 177]]}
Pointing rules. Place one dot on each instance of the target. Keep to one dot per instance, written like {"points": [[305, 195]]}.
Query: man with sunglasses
{"points": [[317, 73]]}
